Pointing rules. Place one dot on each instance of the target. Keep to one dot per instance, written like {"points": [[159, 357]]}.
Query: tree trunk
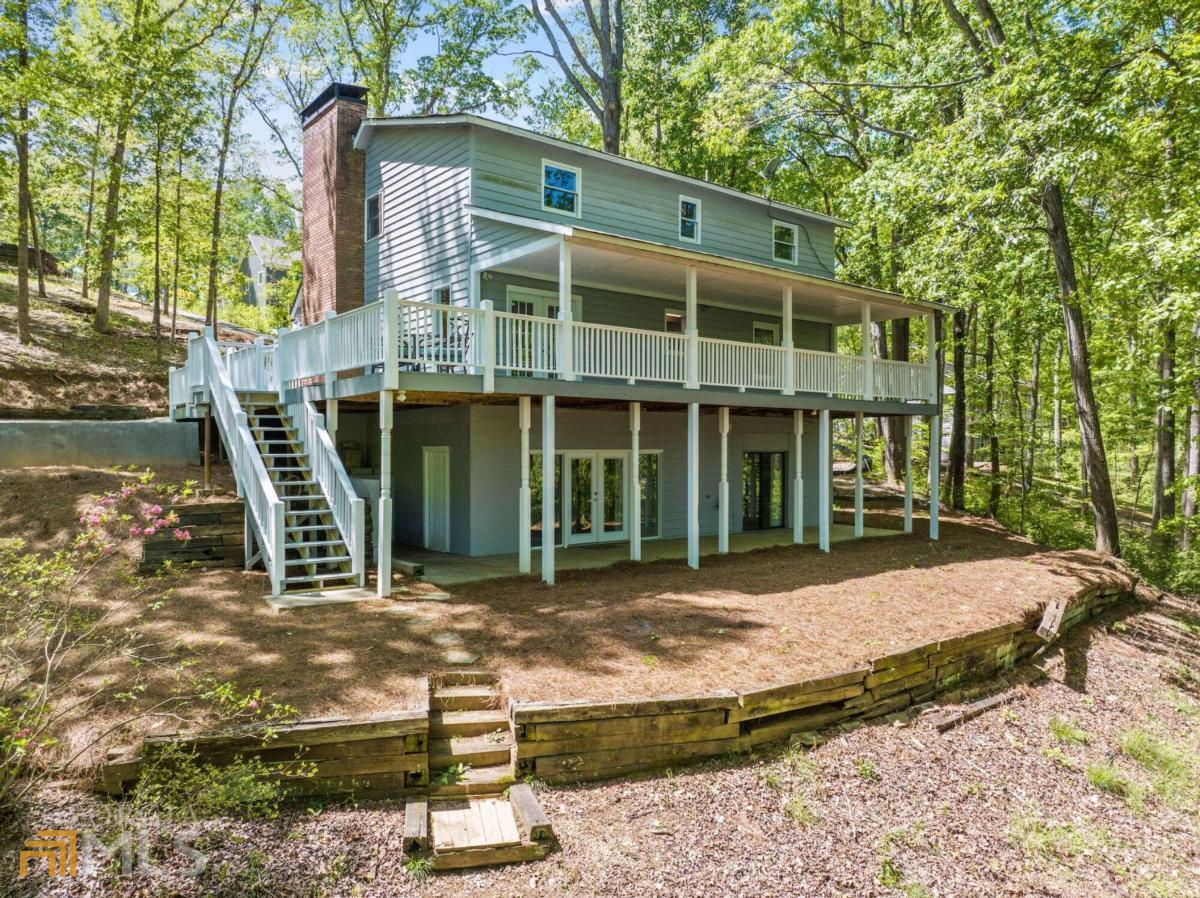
{"points": [[1058, 442], [989, 414], [178, 229], [1035, 379], [1193, 443], [39, 263], [956, 464], [91, 207], [1095, 464], [157, 315], [108, 226], [1162, 505], [22, 141]]}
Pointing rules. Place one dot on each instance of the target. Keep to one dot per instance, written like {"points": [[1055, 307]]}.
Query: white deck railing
{"points": [[526, 344], [603, 350], [728, 363], [349, 512]]}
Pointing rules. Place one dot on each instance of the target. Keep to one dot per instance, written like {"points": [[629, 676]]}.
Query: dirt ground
{"points": [[744, 620], [1005, 805], [68, 363]]}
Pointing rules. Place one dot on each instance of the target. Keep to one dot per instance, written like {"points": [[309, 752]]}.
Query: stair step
{"points": [[311, 544], [448, 724], [312, 497], [463, 698], [319, 578], [311, 511], [296, 482], [467, 677], [332, 559], [307, 528], [490, 780], [476, 751]]}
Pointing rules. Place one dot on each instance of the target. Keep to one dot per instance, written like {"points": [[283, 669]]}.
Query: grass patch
{"points": [[1107, 778], [1056, 754], [800, 812], [866, 769], [1067, 732], [1174, 769], [1050, 839], [419, 869]]}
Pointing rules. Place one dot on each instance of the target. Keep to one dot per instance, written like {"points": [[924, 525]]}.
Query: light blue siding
{"points": [[422, 176], [620, 200]]}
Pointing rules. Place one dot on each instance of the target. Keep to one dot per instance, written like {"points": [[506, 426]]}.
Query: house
{"points": [[267, 261], [478, 298]]}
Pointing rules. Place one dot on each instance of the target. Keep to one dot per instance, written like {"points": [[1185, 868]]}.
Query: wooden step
{"points": [[463, 698], [297, 562], [448, 724], [317, 578], [458, 833], [312, 544], [465, 677], [307, 528], [295, 482], [490, 780], [475, 751]]}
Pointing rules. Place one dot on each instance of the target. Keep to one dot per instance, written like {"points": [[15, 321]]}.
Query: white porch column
{"points": [[935, 471], [635, 482], [797, 477], [858, 474], [868, 354], [723, 487], [932, 350], [487, 353], [692, 332], [566, 334], [383, 524], [524, 496], [331, 403], [908, 419], [787, 341], [693, 484], [549, 484], [825, 495]]}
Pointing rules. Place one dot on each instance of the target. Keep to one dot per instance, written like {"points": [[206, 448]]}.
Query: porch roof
{"points": [[624, 264]]}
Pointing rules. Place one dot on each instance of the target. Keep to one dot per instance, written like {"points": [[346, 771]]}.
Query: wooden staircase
{"points": [[475, 814], [316, 556]]}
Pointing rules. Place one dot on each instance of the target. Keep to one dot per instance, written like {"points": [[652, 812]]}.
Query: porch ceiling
{"points": [[637, 271]]}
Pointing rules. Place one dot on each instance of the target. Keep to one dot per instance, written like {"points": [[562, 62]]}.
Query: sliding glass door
{"points": [[763, 498]]}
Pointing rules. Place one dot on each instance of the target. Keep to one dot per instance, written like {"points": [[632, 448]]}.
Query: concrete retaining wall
{"points": [[157, 441]]}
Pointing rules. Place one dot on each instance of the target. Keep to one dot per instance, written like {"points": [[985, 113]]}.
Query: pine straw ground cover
{"points": [[1009, 804]]}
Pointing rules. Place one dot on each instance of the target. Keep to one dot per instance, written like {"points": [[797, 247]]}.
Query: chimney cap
{"points": [[336, 90]]}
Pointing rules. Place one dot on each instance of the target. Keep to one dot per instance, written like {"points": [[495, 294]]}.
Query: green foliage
{"points": [[176, 780], [419, 868], [800, 811], [1050, 839], [1067, 732]]}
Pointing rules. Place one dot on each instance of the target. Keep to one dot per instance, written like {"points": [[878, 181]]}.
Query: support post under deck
{"points": [[825, 501], [383, 526], [549, 491], [524, 537]]}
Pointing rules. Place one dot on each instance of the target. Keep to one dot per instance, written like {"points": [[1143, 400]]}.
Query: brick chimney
{"points": [[331, 229]]}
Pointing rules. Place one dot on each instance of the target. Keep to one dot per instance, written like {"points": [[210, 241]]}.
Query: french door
{"points": [[596, 490], [763, 490]]}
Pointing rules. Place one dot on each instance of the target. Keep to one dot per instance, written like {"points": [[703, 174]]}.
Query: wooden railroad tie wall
{"points": [[386, 754], [217, 538], [575, 741]]}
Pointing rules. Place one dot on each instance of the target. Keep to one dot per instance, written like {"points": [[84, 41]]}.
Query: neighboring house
{"points": [[266, 262], [499, 297]]}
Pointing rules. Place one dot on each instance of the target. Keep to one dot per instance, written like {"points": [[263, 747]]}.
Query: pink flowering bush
{"points": [[130, 510]]}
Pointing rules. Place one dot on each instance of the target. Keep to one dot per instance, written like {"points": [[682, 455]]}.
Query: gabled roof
{"points": [[274, 253], [363, 138]]}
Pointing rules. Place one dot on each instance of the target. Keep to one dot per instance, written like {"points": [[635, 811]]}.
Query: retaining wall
{"points": [[217, 537], [156, 441]]}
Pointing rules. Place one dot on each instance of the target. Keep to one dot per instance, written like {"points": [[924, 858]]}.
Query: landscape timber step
{"points": [[463, 698], [448, 724], [474, 751], [465, 677], [475, 832], [490, 780]]}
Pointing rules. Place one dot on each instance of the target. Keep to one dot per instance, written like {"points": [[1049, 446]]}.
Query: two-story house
{"points": [[267, 261], [538, 347]]}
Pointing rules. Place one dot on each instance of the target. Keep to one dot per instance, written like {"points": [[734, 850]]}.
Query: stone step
{"points": [[463, 698], [449, 724], [475, 751]]}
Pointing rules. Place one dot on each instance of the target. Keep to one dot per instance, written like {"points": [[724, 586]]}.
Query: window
{"points": [[765, 334], [374, 223], [689, 219], [674, 322], [262, 276], [784, 240], [441, 295], [560, 188]]}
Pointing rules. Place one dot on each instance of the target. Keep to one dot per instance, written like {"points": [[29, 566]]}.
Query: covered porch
{"points": [[446, 570]]}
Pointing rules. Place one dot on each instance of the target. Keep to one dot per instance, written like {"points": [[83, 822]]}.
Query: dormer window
{"points": [[689, 219], [374, 218], [560, 188], [783, 242]]}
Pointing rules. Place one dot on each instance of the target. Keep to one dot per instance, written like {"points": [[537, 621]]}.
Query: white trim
{"points": [[428, 452], [550, 295], [680, 219], [578, 187], [795, 229], [377, 195], [535, 224], [766, 326], [362, 139]]}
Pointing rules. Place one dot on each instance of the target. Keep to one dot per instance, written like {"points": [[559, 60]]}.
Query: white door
{"points": [[436, 480], [596, 488]]}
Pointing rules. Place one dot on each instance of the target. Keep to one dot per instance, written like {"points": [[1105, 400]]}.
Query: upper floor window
{"points": [[783, 242], [374, 217], [560, 188], [262, 277], [689, 219]]}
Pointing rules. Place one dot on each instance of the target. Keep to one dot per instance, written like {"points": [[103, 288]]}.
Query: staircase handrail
{"points": [[254, 484]]}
